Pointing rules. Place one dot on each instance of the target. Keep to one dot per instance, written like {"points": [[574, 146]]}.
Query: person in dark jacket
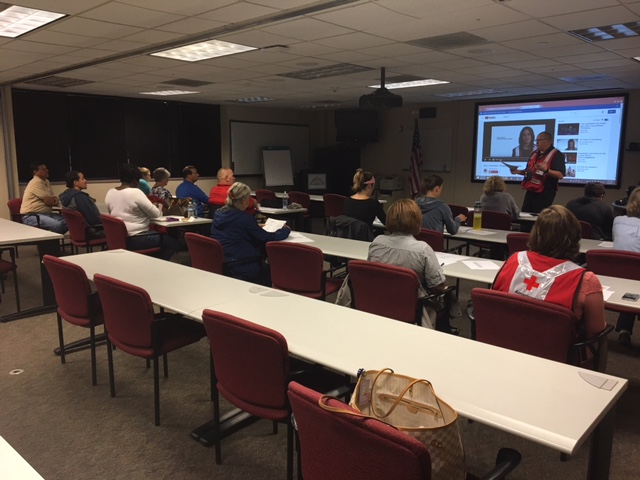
{"points": [[241, 237], [436, 215], [591, 209], [75, 199]]}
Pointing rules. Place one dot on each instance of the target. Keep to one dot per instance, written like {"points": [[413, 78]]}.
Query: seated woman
{"points": [[554, 242], [132, 206], [360, 205], [403, 250], [496, 199], [241, 237], [145, 178], [626, 236], [161, 178], [436, 215]]}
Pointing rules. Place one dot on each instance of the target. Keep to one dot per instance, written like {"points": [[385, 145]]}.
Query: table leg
{"points": [[601, 444], [229, 423]]}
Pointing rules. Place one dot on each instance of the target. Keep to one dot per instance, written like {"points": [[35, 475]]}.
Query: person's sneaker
{"points": [[624, 338]]}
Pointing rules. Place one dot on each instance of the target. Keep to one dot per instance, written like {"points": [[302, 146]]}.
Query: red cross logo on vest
{"points": [[531, 283]]}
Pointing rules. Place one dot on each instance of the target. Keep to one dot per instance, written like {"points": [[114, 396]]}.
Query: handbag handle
{"points": [[323, 405]]}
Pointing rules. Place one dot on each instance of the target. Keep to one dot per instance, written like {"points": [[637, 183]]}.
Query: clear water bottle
{"points": [[191, 209], [477, 216], [285, 200]]}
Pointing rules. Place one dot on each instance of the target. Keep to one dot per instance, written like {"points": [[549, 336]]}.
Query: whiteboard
{"points": [[278, 170], [248, 139]]}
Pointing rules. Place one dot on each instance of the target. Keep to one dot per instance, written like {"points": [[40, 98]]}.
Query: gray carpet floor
{"points": [[67, 429]]}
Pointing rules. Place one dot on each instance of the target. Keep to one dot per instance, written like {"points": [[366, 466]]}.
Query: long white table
{"points": [[13, 466], [13, 233], [547, 402]]}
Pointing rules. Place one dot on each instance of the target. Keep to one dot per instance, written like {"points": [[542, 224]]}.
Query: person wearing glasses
{"points": [[545, 167]]}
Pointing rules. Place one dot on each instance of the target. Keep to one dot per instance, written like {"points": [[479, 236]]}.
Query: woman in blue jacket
{"points": [[241, 237]]}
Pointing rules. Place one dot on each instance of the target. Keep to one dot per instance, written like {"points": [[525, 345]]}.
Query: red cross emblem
{"points": [[531, 283]]}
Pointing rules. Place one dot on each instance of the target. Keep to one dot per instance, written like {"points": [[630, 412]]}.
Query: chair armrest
{"points": [[596, 338], [506, 461], [447, 289], [600, 352]]}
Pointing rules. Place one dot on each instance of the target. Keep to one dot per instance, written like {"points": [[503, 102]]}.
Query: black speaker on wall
{"points": [[429, 112]]}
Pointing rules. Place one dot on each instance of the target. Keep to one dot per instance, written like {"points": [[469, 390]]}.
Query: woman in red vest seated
{"points": [[547, 271]]}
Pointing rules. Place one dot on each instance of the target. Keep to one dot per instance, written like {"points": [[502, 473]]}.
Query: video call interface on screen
{"points": [[588, 131]]}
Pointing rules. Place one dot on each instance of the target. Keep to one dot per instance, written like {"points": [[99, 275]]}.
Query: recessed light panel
{"points": [[253, 99], [486, 91], [608, 32], [16, 20], [414, 83], [166, 93], [203, 50]]}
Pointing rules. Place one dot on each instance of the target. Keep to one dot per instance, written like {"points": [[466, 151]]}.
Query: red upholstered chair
{"points": [[305, 201], [517, 242], [340, 446], [205, 252], [264, 194], [385, 290], [460, 209], [78, 232], [14, 210], [298, 268], [77, 304], [433, 238], [134, 328], [10, 266], [615, 263], [333, 205], [534, 327], [495, 221], [116, 234], [587, 229]]}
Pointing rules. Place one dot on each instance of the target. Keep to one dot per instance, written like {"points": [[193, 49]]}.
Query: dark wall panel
{"points": [[151, 133], [199, 138]]}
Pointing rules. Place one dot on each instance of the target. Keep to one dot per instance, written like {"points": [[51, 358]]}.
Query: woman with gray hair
{"points": [[161, 177], [241, 238]]}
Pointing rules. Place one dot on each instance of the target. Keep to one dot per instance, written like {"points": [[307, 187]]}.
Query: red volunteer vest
{"points": [[544, 278], [535, 178]]}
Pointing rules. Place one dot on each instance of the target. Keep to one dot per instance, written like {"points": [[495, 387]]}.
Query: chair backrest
{"points": [[524, 324], [517, 242], [251, 363], [614, 263], [587, 229], [156, 199], [460, 209], [340, 446], [128, 314], [300, 197], [264, 194], [496, 220], [206, 253], [296, 268], [71, 287], [77, 225], [384, 290], [115, 231], [434, 238], [344, 226], [333, 204], [14, 209]]}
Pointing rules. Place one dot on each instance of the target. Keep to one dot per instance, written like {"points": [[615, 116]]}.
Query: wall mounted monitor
{"points": [[588, 131]]}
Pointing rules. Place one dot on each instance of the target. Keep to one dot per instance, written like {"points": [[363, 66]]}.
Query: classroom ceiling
{"points": [[484, 48]]}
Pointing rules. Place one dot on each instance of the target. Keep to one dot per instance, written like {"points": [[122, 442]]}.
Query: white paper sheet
{"points": [[606, 244], [481, 265], [447, 258], [272, 225], [296, 237], [479, 232]]}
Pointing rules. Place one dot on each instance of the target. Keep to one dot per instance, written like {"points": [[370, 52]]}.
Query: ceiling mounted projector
{"points": [[381, 98]]}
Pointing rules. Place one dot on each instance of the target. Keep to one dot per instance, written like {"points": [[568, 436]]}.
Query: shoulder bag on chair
{"points": [[412, 406]]}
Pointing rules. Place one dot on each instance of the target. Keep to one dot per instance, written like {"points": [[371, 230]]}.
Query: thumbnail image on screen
{"points": [[588, 131]]}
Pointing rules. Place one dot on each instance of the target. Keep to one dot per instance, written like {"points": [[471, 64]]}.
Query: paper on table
{"points": [[479, 232], [447, 258], [606, 244], [296, 237], [481, 265], [273, 225], [606, 293]]}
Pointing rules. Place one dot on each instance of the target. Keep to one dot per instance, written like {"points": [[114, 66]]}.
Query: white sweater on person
{"points": [[133, 207]]}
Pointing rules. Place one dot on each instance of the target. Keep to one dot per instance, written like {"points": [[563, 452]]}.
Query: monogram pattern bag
{"points": [[412, 406]]}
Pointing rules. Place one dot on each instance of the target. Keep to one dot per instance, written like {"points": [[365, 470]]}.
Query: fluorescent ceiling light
{"points": [[203, 50], [637, 59], [608, 32], [485, 91], [165, 93], [414, 83], [16, 20], [253, 99]]}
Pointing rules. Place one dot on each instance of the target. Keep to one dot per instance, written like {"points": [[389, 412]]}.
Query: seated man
{"points": [[75, 199], [218, 194], [188, 189], [591, 209], [37, 201]]}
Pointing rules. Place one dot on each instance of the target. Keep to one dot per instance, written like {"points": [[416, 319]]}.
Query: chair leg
{"points": [[212, 377], [61, 340], [15, 278], [156, 390], [112, 382], [289, 451], [94, 370], [298, 455], [165, 365], [216, 419], [148, 363], [275, 427]]}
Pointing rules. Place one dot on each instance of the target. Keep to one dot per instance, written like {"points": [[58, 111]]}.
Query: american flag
{"points": [[415, 162]]}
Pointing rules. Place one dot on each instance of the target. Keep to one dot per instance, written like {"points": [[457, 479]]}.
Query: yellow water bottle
{"points": [[477, 216]]}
